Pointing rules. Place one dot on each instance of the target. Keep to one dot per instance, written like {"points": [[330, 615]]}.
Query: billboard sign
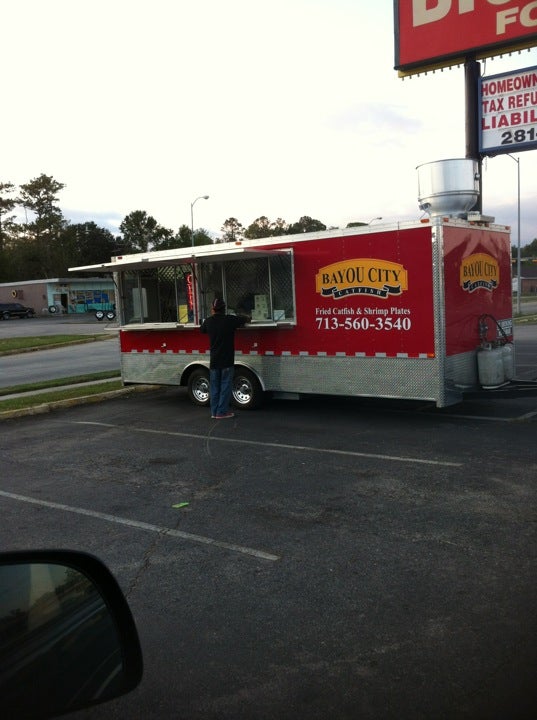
{"points": [[508, 112], [430, 34]]}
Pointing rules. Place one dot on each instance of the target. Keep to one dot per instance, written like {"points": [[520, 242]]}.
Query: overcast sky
{"points": [[282, 108]]}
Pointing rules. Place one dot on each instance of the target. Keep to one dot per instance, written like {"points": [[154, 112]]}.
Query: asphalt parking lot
{"points": [[328, 558]]}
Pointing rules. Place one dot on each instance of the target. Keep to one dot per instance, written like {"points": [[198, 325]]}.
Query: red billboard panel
{"points": [[437, 33]]}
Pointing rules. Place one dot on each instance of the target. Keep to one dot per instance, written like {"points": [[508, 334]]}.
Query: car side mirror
{"points": [[67, 636]]}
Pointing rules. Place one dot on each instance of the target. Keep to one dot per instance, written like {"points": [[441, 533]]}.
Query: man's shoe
{"points": [[225, 416]]}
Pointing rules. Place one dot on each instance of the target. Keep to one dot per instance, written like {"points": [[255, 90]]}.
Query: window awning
{"points": [[185, 256]]}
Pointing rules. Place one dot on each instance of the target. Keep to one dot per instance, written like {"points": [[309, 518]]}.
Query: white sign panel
{"points": [[508, 112]]}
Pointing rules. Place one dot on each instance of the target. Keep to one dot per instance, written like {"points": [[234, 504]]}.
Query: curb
{"points": [[72, 402], [54, 346]]}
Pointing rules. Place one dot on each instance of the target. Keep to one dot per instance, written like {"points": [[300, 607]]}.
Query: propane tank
{"points": [[508, 356], [490, 366]]}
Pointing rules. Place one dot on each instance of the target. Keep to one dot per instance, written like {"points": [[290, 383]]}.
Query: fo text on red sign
{"points": [[425, 12], [436, 33]]}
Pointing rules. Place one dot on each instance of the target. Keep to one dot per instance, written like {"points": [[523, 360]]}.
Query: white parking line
{"points": [[143, 526], [279, 446]]}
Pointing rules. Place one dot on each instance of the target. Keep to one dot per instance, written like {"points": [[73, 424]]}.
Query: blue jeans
{"points": [[221, 386]]}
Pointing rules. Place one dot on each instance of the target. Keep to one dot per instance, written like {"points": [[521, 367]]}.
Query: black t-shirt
{"points": [[221, 330]]}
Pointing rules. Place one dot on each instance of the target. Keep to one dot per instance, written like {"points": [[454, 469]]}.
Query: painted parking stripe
{"points": [[169, 532], [279, 446]]}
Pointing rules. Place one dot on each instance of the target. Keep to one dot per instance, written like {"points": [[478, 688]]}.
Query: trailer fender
{"points": [[189, 369], [240, 366]]}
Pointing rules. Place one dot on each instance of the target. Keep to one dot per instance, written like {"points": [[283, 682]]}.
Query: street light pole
{"points": [[518, 278], [201, 197]]}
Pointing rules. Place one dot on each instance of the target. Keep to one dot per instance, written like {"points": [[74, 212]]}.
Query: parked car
{"points": [[9, 310]]}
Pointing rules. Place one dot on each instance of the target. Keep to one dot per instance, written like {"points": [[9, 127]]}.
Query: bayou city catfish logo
{"points": [[479, 272], [362, 276]]}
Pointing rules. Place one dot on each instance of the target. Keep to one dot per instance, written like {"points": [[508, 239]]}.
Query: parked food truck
{"points": [[415, 310]]}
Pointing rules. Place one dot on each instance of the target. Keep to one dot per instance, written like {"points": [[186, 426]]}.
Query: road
{"points": [[57, 325], [335, 559], [526, 351], [59, 362]]}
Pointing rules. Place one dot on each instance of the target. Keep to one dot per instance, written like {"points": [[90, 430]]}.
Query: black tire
{"points": [[198, 387], [29, 314], [6, 316], [110, 315], [99, 314], [52, 309], [247, 390]]}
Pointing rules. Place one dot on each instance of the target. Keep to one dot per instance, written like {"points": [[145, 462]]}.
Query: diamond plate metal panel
{"points": [[405, 378]]}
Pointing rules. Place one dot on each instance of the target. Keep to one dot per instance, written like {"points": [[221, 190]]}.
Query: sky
{"points": [[283, 108]]}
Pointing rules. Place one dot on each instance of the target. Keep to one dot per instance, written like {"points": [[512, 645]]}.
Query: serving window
{"points": [[158, 295], [261, 287]]}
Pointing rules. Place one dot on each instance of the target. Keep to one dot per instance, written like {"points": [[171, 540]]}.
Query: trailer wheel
{"points": [[99, 314], [198, 387], [110, 315], [247, 390]]}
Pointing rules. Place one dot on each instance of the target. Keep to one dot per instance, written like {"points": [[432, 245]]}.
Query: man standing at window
{"points": [[221, 331]]}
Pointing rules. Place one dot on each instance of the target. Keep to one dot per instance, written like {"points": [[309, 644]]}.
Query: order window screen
{"points": [[260, 287], [163, 294], [281, 277]]}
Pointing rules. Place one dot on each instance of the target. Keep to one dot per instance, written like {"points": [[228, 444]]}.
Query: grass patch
{"points": [[520, 319], [23, 343], [74, 380], [55, 395]]}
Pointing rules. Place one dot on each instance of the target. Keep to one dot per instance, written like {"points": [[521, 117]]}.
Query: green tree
{"points": [[232, 230], [260, 228], [41, 235], [40, 196], [304, 225], [86, 244], [184, 237], [165, 239], [202, 237], [141, 232], [7, 205], [7, 226], [528, 251], [279, 227]]}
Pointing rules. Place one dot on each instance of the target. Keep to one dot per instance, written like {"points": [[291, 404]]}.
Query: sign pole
{"points": [[472, 74]]}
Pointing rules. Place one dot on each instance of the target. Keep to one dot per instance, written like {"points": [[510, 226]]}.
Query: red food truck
{"points": [[419, 310]]}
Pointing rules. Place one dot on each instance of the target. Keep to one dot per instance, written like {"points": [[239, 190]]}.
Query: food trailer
{"points": [[419, 310]]}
